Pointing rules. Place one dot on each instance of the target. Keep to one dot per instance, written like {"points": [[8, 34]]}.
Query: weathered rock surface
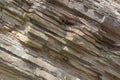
{"points": [[59, 40]]}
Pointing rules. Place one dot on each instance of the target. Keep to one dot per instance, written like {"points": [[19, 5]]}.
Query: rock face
{"points": [[59, 40]]}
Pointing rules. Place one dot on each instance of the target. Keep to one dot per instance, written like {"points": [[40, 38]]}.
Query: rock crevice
{"points": [[59, 40]]}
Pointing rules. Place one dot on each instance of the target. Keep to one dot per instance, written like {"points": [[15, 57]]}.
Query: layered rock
{"points": [[59, 40]]}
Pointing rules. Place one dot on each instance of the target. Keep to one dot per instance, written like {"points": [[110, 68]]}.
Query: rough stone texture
{"points": [[59, 40]]}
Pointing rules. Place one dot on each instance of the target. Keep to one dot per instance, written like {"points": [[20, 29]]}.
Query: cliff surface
{"points": [[59, 40]]}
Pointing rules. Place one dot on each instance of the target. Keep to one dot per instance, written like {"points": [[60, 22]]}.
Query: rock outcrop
{"points": [[59, 40]]}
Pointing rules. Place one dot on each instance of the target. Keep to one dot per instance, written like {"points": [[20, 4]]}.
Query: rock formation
{"points": [[59, 40]]}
